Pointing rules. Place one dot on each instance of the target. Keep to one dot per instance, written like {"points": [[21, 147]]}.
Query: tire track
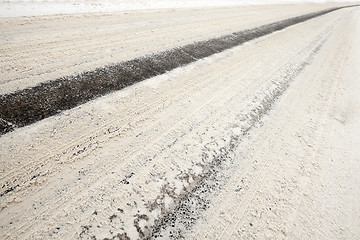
{"points": [[211, 179], [224, 226]]}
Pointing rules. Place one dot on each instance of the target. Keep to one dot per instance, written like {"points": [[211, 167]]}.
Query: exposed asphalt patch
{"points": [[30, 105]]}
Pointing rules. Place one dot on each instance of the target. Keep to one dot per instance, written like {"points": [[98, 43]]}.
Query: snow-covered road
{"points": [[259, 141]]}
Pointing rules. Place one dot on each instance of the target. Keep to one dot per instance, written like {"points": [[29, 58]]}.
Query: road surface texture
{"points": [[257, 141]]}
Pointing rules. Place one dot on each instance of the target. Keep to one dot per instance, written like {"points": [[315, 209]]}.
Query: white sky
{"points": [[14, 8]]}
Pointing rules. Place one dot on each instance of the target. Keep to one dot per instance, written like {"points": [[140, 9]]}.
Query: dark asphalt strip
{"points": [[30, 105]]}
